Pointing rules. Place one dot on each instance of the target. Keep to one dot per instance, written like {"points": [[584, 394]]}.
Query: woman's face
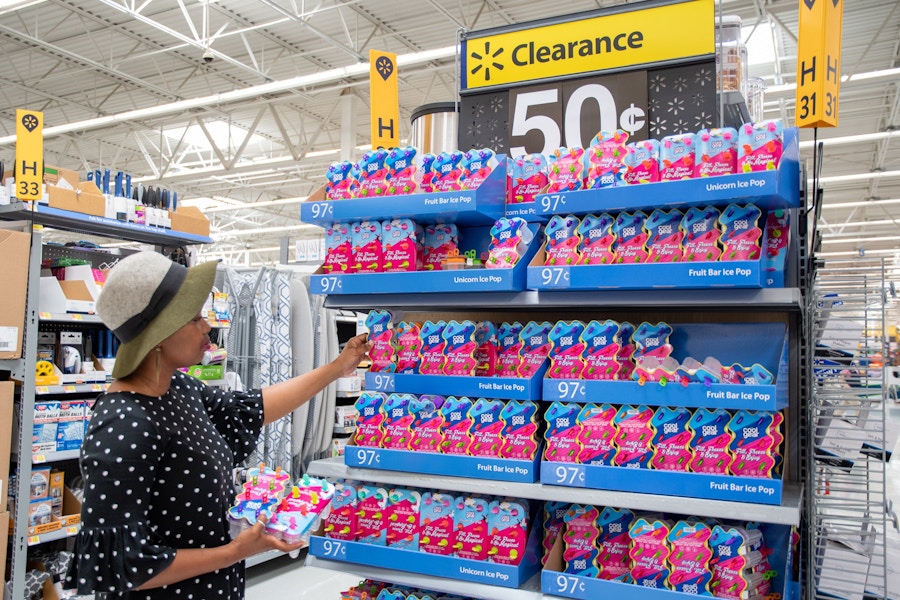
{"points": [[185, 347]]}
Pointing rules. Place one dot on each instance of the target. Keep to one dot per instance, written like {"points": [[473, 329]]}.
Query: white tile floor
{"points": [[287, 579]]}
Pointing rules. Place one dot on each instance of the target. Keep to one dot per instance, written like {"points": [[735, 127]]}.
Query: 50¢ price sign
{"points": [[545, 117]]}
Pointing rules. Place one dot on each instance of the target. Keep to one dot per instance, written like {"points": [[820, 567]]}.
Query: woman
{"points": [[158, 454]]}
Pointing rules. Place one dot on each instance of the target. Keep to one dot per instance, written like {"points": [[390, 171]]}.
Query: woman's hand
{"points": [[255, 540], [353, 353]]}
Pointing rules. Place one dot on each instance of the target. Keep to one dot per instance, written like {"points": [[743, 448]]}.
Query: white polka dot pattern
{"points": [[157, 474]]}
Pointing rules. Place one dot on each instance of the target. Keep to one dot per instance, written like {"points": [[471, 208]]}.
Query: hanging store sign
{"points": [[384, 99], [819, 63], [587, 43], [29, 169]]}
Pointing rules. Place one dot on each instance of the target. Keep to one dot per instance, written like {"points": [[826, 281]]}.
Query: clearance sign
{"points": [[604, 42]]}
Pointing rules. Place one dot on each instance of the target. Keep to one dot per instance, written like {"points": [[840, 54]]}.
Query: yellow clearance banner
{"points": [[819, 63], [29, 154], [613, 41], [384, 99]]}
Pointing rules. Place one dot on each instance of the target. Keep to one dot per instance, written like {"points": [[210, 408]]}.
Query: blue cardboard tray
{"points": [[669, 483], [481, 206], [432, 463], [413, 561], [465, 280], [508, 388], [779, 188], [744, 343], [565, 585]]}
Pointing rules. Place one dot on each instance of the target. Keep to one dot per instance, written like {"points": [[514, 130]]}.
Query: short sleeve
{"points": [[117, 548], [238, 416]]}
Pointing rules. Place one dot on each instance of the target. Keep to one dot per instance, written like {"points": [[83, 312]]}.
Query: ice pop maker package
{"points": [[614, 543], [370, 420], [520, 429], [597, 240], [402, 512], [459, 348], [760, 146], [580, 538], [507, 531], [381, 335], [596, 434], [456, 425], [566, 350], [371, 519], [436, 523], [471, 519], [487, 428], [634, 436], [562, 241], [562, 432]]}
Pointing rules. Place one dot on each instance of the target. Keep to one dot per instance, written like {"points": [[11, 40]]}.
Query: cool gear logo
{"points": [[486, 60]]}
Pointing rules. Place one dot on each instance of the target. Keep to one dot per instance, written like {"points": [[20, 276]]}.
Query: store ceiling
{"points": [[123, 74]]}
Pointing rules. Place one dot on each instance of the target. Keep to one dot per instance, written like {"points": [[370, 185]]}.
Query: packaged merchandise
{"points": [[509, 242], [676, 157], [456, 425], [372, 174], [596, 433], [440, 242], [760, 146], [487, 428], [733, 562], [650, 552], [535, 348], [384, 346], [672, 439], [426, 173], [371, 503], [402, 514], [431, 352], [553, 524], [752, 443], [487, 349], [627, 349], [427, 423], [631, 239], [476, 166], [339, 249], [447, 172], [301, 511], [701, 234], [566, 350], [507, 531], [398, 420], [778, 233], [407, 336], [716, 152], [402, 247], [597, 240], [652, 340], [436, 527], [526, 178], [565, 172], [370, 422], [340, 180], [459, 348], [641, 162], [606, 160], [711, 441], [509, 341], [690, 557], [368, 251], [40, 483], [341, 521], [562, 432], [562, 241], [520, 429], [600, 354], [664, 236], [472, 535], [634, 436], [741, 233], [614, 543], [401, 171], [580, 537]]}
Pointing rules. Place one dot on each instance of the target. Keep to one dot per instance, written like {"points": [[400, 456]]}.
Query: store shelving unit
{"points": [[23, 370], [774, 305]]}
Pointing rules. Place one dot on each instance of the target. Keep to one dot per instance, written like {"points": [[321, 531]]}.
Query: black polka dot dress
{"points": [[157, 474]]}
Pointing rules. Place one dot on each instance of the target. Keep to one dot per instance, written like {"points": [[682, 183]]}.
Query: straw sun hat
{"points": [[147, 298]]}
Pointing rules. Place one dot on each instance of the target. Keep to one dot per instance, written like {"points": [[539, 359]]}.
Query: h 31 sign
{"points": [[819, 63]]}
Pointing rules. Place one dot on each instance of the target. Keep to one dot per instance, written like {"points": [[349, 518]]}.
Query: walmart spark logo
{"points": [[485, 61]]}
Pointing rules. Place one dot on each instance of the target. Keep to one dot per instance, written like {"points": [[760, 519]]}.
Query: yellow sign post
{"points": [[29, 154], [819, 63], [612, 41], [384, 99]]}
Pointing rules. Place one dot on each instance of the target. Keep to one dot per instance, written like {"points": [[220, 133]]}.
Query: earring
{"points": [[158, 354]]}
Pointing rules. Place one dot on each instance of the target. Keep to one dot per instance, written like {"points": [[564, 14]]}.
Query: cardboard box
{"points": [[40, 483], [91, 200], [4, 526], [53, 176], [75, 200], [57, 488], [6, 421], [92, 278], [65, 296], [15, 248], [189, 219]]}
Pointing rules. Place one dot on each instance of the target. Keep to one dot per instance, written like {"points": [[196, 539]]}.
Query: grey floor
{"points": [[288, 579]]}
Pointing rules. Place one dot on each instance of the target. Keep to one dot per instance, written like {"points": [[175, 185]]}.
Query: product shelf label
{"points": [[430, 463], [508, 388]]}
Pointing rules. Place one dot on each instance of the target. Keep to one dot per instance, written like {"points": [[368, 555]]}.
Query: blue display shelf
{"points": [[508, 388], [481, 206], [779, 188], [436, 282], [744, 343], [474, 467], [565, 585], [508, 576], [672, 483]]}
